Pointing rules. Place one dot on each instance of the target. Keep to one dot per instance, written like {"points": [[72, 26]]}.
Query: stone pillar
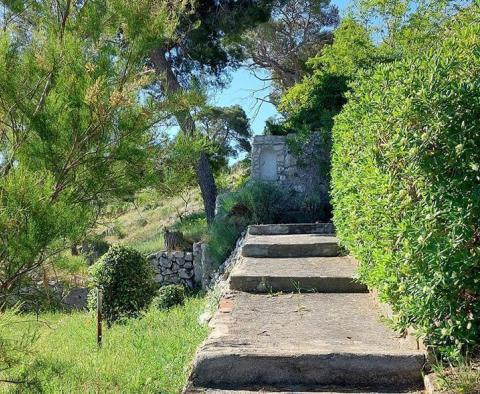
{"points": [[203, 265], [268, 158], [272, 161], [197, 264], [207, 266]]}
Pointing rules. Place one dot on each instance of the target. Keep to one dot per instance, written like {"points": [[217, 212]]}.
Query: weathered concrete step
{"points": [[293, 245], [306, 274], [295, 228], [309, 341], [213, 391]]}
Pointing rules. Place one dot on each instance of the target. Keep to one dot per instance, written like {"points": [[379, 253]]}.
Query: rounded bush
{"points": [[406, 185], [127, 280], [169, 296]]}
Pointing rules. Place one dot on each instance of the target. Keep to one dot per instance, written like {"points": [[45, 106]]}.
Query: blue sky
{"points": [[242, 90]]}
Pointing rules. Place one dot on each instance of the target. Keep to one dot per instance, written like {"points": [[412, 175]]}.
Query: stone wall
{"points": [[177, 267], [273, 161], [207, 273], [173, 267]]}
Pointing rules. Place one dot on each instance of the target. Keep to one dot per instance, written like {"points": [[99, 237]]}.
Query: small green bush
{"points": [[127, 281], [314, 208], [169, 296], [255, 203], [406, 184]]}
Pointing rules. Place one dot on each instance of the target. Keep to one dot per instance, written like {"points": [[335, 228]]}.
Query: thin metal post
{"points": [[99, 316]]}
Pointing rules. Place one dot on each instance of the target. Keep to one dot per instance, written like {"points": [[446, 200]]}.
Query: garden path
{"points": [[296, 320]]}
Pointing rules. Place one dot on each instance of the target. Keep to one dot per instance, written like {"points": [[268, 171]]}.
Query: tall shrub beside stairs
{"points": [[406, 184]]}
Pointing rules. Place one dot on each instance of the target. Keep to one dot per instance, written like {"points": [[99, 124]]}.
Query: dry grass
{"points": [[138, 224], [461, 379], [141, 224]]}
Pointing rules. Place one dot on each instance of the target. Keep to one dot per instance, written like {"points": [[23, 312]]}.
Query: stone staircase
{"points": [[297, 321]]}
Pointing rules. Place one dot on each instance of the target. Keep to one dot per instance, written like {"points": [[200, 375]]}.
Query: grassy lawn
{"points": [[147, 355]]}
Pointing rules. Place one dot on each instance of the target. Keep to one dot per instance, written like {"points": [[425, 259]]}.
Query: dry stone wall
{"points": [[177, 267], [174, 267]]}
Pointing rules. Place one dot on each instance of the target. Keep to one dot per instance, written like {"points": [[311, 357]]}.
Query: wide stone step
{"points": [[292, 391], [292, 245], [295, 228], [306, 341], [296, 274]]}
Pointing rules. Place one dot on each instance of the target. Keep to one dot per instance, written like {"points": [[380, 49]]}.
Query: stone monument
{"points": [[272, 161]]}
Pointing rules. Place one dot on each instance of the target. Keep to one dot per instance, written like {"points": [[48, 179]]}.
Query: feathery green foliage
{"points": [[14, 348], [73, 134]]}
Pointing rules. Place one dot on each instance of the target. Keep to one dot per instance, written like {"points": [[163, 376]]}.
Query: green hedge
{"points": [[406, 185]]}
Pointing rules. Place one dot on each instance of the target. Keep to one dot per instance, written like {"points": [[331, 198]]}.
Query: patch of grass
{"points": [[149, 245], [68, 270], [71, 265], [193, 227], [141, 225], [147, 355], [462, 379]]}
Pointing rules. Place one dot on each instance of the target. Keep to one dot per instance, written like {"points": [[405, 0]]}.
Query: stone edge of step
{"points": [[291, 228], [402, 371], [258, 249], [321, 284]]}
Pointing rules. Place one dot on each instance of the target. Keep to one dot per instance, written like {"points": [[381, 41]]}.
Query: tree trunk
{"points": [[207, 185], [205, 178]]}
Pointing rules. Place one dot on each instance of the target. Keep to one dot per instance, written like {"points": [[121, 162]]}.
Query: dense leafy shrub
{"points": [[127, 281], [406, 184], [311, 104], [314, 208], [254, 203], [169, 296]]}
